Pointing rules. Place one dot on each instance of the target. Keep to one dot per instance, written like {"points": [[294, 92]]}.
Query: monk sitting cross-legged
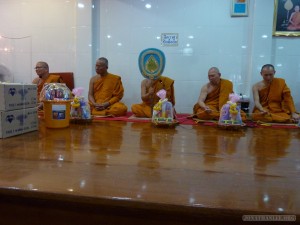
{"points": [[272, 98], [213, 96], [149, 88], [294, 21], [106, 91]]}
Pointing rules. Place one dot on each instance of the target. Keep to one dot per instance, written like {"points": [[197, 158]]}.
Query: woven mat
{"points": [[129, 117], [187, 119], [251, 124]]}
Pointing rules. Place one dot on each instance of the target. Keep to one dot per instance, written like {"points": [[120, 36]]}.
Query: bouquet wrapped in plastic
{"points": [[230, 113], [163, 109], [80, 108]]}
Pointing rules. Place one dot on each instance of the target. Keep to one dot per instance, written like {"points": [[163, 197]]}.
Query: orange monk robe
{"points": [[144, 109], [50, 79], [215, 100], [109, 89], [296, 22], [277, 100]]}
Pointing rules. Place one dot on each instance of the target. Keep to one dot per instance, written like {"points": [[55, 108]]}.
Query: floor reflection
{"points": [[268, 146], [217, 143], [105, 143], [155, 145]]}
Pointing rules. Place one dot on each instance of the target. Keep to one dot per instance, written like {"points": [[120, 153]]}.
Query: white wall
{"points": [[55, 31], [60, 33]]}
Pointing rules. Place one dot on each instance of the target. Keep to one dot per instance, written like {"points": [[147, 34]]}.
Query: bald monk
{"points": [[213, 96], [106, 91], [149, 88], [42, 70], [272, 99]]}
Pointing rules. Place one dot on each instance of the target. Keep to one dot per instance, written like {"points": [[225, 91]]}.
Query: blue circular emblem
{"points": [[151, 63]]}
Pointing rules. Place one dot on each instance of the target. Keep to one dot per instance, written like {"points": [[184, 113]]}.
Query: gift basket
{"points": [[56, 104], [80, 108], [163, 111], [230, 114]]}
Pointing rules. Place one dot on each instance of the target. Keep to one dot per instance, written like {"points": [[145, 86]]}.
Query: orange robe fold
{"points": [[144, 109], [109, 89], [215, 100], [50, 79], [277, 100]]}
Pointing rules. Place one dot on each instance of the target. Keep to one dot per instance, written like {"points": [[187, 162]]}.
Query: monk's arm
{"points": [[256, 99], [288, 99], [91, 92], [146, 96], [226, 89], [291, 18], [117, 94], [92, 98], [170, 93], [289, 102], [202, 97]]}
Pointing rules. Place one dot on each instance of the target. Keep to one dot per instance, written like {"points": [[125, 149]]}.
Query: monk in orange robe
{"points": [[106, 91], [294, 22], [42, 70], [213, 96], [149, 88], [272, 99]]}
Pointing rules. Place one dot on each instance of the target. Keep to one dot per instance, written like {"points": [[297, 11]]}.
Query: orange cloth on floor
{"points": [[109, 89], [215, 100], [277, 100], [144, 109], [50, 79]]}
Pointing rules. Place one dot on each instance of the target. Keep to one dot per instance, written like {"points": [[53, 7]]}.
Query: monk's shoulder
{"points": [[166, 79], [36, 80], [144, 82], [113, 76], [279, 80], [258, 86], [205, 87], [225, 81], [94, 77], [54, 77]]}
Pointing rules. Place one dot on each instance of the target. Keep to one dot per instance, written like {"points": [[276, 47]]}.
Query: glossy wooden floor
{"points": [[113, 172]]}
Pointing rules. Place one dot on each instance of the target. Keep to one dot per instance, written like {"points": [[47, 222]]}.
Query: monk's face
{"points": [[40, 69], [101, 67], [214, 77], [267, 74]]}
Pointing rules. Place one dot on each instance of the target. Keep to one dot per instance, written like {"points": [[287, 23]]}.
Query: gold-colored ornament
{"points": [[152, 64]]}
